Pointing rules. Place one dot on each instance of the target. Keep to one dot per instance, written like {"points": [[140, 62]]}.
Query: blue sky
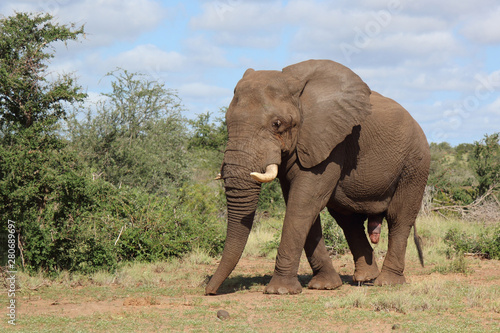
{"points": [[439, 59]]}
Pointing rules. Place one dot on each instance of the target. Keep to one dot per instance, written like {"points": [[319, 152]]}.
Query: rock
{"points": [[396, 326], [222, 314]]}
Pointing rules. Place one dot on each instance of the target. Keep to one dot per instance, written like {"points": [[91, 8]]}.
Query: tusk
{"points": [[218, 177], [271, 173]]}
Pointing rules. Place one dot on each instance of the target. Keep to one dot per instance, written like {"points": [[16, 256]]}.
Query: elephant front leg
{"points": [[299, 219], [324, 275], [285, 279]]}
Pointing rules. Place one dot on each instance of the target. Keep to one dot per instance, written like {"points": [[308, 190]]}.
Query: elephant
{"points": [[332, 143]]}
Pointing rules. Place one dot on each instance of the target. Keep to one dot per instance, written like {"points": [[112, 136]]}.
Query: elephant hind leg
{"points": [[394, 262], [324, 275], [364, 260], [401, 215]]}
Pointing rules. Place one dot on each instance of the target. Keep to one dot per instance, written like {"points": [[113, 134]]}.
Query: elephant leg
{"points": [[293, 238], [401, 215], [365, 265], [394, 262], [301, 212], [324, 275]]}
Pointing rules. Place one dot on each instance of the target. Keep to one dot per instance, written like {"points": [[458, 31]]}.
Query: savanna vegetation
{"points": [[121, 192], [92, 186]]}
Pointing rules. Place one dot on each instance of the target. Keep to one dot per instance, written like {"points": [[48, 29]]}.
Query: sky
{"points": [[439, 59]]}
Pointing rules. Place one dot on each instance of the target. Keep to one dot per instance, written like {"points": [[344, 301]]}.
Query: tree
{"points": [[450, 175], [463, 149], [136, 136], [36, 175], [486, 162], [467, 178], [26, 45], [207, 134], [66, 216]]}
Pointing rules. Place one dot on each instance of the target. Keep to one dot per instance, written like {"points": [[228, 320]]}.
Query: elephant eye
{"points": [[276, 124]]}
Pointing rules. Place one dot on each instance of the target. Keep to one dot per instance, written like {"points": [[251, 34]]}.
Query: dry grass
{"points": [[168, 296]]}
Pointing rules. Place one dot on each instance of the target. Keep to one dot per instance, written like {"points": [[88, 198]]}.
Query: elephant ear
{"points": [[332, 100], [248, 71]]}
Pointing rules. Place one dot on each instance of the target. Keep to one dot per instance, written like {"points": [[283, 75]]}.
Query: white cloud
{"points": [[484, 28], [238, 16], [440, 43], [494, 108], [450, 10], [202, 52], [148, 59], [379, 31], [202, 97], [202, 90], [424, 54], [106, 21], [258, 41]]}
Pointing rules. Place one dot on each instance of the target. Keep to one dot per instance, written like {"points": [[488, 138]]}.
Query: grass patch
{"points": [[486, 243], [434, 296], [160, 278], [264, 238], [197, 256], [458, 264], [453, 294]]}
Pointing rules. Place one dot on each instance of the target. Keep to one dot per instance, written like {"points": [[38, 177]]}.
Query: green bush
{"points": [[148, 227], [206, 134], [463, 174], [487, 243], [333, 235], [67, 219], [117, 186], [271, 245], [49, 198], [271, 196], [458, 264]]}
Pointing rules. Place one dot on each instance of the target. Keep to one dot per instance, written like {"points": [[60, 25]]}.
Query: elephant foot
{"points": [[283, 285], [327, 281], [364, 272], [388, 278]]}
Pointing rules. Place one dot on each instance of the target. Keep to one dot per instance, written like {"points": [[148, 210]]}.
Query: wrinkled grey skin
{"points": [[338, 145]]}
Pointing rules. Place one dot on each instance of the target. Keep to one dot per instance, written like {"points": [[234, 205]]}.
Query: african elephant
{"points": [[332, 143]]}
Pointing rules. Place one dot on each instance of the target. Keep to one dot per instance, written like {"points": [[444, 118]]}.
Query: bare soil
{"points": [[241, 295]]}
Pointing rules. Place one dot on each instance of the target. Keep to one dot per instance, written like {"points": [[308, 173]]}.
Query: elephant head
{"points": [[306, 109]]}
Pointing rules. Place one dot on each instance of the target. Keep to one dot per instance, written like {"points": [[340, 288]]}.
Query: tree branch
{"points": [[463, 208]]}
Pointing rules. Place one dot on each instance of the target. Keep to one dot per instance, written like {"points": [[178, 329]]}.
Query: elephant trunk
{"points": [[241, 206]]}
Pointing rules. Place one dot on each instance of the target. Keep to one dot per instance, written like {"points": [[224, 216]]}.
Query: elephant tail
{"points": [[418, 243]]}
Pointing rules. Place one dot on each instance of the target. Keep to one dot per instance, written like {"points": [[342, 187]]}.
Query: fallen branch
{"points": [[464, 208], [38, 286], [496, 199], [116, 241]]}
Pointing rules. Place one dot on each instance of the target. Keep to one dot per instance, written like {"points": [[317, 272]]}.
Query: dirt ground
{"points": [[242, 296]]}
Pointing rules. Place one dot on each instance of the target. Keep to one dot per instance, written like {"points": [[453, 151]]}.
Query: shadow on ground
{"points": [[245, 282]]}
